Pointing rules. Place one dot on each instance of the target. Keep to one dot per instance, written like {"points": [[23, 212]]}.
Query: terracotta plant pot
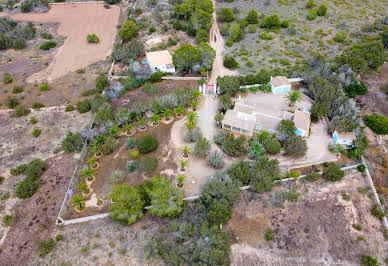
{"points": [[179, 185], [99, 155], [179, 116], [90, 178], [183, 169], [185, 156], [99, 203], [95, 166], [143, 128], [130, 133]]}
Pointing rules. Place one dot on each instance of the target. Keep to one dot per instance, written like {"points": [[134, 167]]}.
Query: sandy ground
{"points": [[76, 21], [315, 230], [19, 146], [218, 44]]}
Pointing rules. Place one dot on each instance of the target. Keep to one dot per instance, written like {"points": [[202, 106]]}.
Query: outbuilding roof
{"points": [[280, 81], [159, 58], [302, 120]]}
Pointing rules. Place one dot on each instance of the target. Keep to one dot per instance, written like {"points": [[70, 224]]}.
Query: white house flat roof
{"points": [[280, 81], [159, 58], [302, 120]]}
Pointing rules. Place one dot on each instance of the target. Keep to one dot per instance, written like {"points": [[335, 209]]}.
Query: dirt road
{"points": [[218, 44], [76, 21]]}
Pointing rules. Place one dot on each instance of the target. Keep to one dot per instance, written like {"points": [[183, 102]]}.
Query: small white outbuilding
{"points": [[160, 60]]}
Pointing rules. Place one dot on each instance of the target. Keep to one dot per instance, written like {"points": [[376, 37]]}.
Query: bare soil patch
{"points": [[19, 146], [316, 230], [35, 217], [76, 21]]}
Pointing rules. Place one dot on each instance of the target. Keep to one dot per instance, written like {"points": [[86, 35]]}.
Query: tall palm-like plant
{"points": [[140, 122], [87, 173], [180, 178], [192, 116], [78, 202], [196, 94], [186, 150], [114, 131], [183, 165], [92, 161], [167, 113], [179, 110], [84, 188], [129, 128], [190, 125], [293, 97], [155, 119], [194, 104]]}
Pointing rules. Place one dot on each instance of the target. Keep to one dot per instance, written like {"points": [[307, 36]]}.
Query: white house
{"points": [[280, 84], [160, 60], [302, 123], [345, 140]]}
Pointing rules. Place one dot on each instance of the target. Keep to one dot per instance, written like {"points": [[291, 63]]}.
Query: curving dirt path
{"points": [[76, 21], [217, 43]]}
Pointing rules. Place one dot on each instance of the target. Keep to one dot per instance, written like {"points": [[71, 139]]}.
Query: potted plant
{"points": [[129, 129], [180, 179], [192, 116], [183, 165], [88, 173], [83, 187], [155, 119], [196, 94], [186, 150], [93, 162], [97, 151], [179, 111], [194, 104], [99, 201], [141, 123], [167, 113], [78, 202], [114, 131], [190, 125]]}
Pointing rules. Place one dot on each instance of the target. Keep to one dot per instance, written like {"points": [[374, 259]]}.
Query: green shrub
{"points": [[37, 105], [312, 14], [2, 178], [17, 89], [215, 159], [44, 87], [322, 10], [230, 62], [156, 76], [333, 173], [47, 45], [271, 22], [379, 211], [266, 36], [7, 78], [109, 145], [130, 143], [148, 164], [83, 106], [8, 220], [240, 171], [131, 166], [20, 110], [128, 30], [58, 238], [225, 15], [358, 227], [252, 17], [11, 102], [340, 37], [92, 38], [117, 176], [147, 144], [367, 260], [19, 44], [46, 35], [378, 123], [356, 88], [269, 235], [26, 6], [202, 36], [69, 108], [313, 176], [20, 169], [72, 142], [361, 168], [273, 146], [295, 146], [45, 247], [36, 132]]}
